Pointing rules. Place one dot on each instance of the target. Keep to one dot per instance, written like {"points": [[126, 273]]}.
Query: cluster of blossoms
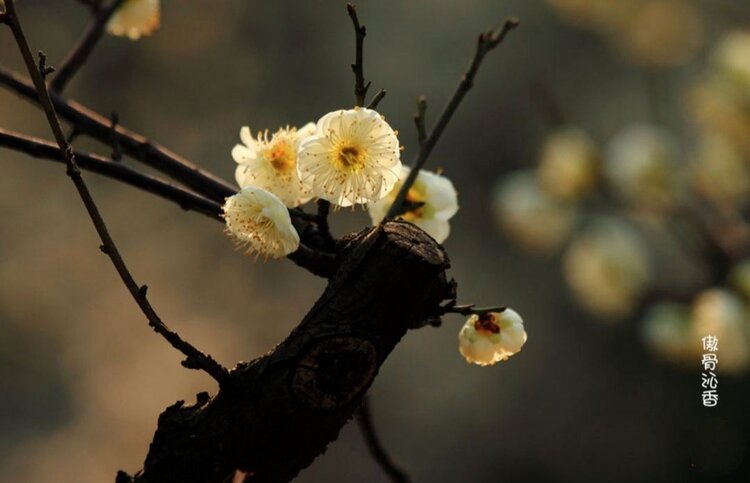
{"points": [[657, 33], [662, 191], [348, 157]]}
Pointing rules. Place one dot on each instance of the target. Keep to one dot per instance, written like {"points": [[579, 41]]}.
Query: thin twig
{"points": [[364, 419], [360, 88], [85, 46], [195, 359], [420, 120], [487, 41], [39, 148], [470, 309], [376, 99]]}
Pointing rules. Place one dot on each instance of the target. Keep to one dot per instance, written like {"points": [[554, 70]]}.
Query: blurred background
{"points": [[602, 168]]}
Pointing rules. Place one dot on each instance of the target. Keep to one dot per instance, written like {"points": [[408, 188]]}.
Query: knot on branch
{"points": [[335, 371]]}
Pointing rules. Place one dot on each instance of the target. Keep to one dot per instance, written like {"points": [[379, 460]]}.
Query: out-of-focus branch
{"points": [[487, 42], [40, 148], [376, 448], [195, 359], [85, 46], [360, 88]]}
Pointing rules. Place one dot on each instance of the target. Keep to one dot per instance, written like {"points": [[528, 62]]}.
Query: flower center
{"points": [[281, 157], [350, 157], [486, 322]]}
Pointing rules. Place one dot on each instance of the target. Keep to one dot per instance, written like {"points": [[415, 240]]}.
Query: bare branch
{"points": [[132, 144], [376, 99], [419, 119], [195, 359], [376, 448], [360, 88], [85, 46], [487, 41], [39, 148]]}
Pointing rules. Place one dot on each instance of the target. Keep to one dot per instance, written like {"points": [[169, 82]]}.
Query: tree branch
{"points": [[487, 41], [195, 359], [133, 144], [85, 46], [376, 99], [376, 448], [42, 149], [360, 88], [313, 381]]}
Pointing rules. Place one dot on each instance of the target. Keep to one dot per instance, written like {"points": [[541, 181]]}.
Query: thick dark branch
{"points": [[81, 52], [486, 42], [40, 148], [281, 410], [376, 448], [195, 358], [132, 144], [360, 88]]}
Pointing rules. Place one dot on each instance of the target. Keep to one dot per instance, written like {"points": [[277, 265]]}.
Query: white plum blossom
{"points": [[569, 164], [666, 330], [434, 199], [607, 267], [135, 18], [731, 59], [258, 220], [491, 337], [641, 166], [721, 313], [719, 172], [271, 164], [528, 215], [353, 158]]}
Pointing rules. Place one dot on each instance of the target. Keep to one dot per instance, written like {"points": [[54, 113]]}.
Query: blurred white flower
{"points": [[607, 267], [272, 164], [529, 216], [569, 164], [739, 278], [135, 18], [354, 157], [666, 330], [731, 59], [719, 173], [259, 220], [641, 166], [721, 313], [434, 198], [491, 337], [663, 33]]}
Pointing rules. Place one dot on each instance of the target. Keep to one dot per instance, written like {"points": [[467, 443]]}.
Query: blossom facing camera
{"points": [[353, 158], [491, 337], [135, 18], [271, 164], [430, 202], [258, 220]]}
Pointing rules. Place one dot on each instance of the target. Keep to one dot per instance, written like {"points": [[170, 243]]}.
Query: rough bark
{"points": [[280, 411]]}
